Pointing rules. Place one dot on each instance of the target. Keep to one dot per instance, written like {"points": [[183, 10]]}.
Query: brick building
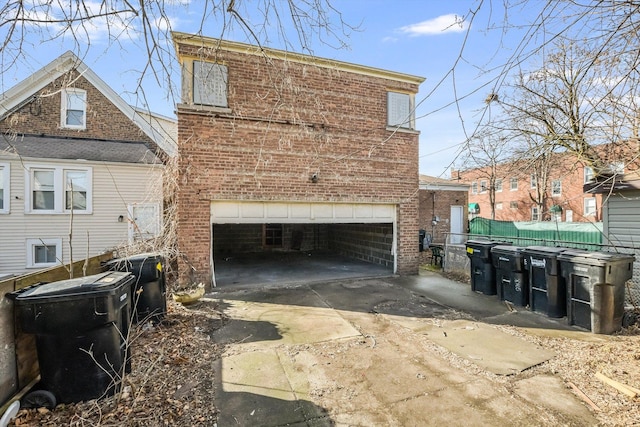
{"points": [[443, 208], [516, 186], [281, 151]]}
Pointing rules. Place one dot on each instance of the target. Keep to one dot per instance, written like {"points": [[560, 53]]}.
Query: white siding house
{"points": [[80, 174]]}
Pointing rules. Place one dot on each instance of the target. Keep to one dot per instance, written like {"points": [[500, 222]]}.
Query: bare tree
{"points": [[485, 153], [293, 24]]}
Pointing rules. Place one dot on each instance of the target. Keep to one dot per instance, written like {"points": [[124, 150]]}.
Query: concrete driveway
{"points": [[403, 351]]}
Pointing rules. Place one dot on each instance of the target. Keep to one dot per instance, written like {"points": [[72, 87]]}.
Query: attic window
{"points": [[209, 84], [73, 112], [400, 110]]}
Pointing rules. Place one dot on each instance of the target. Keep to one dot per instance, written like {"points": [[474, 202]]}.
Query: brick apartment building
{"points": [[563, 197], [281, 152]]}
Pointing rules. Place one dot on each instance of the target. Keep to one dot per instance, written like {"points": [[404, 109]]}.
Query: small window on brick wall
{"points": [[209, 84], [400, 110], [272, 236]]}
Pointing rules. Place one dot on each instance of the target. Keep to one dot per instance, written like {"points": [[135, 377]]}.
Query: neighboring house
{"points": [[515, 183], [443, 209], [621, 207], [283, 151], [76, 160]]}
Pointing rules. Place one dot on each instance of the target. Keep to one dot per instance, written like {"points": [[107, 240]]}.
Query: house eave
{"points": [[248, 49]]}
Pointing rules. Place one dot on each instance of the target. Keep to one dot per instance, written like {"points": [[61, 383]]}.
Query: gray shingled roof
{"points": [[46, 147]]}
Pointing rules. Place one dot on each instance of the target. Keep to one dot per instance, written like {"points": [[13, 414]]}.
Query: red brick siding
{"points": [[103, 119], [291, 120]]}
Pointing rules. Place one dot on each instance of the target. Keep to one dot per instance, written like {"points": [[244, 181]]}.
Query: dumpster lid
{"points": [[96, 283], [594, 257], [545, 250], [508, 249]]}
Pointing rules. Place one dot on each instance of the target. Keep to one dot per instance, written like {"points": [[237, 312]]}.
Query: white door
{"points": [[456, 227]]}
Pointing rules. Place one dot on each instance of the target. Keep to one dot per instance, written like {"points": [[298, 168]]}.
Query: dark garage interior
{"points": [[257, 254]]}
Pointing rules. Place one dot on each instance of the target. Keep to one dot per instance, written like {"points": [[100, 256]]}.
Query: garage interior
{"points": [[279, 253]]}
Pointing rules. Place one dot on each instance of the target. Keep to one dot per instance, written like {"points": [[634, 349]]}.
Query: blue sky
{"points": [[417, 37]]}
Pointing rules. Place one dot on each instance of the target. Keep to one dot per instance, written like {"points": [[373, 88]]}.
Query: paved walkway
{"points": [[408, 351]]}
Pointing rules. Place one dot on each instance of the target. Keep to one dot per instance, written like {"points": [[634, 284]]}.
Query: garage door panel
{"points": [[238, 212]]}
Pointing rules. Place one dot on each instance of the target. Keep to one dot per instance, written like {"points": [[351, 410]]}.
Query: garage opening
{"points": [[245, 254]]}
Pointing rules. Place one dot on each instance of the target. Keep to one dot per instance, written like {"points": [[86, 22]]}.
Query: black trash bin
{"points": [[483, 274], [149, 291], [80, 326], [595, 288], [547, 290], [512, 280]]}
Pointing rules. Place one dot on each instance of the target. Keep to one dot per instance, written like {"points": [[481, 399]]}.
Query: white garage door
{"points": [[234, 212]]}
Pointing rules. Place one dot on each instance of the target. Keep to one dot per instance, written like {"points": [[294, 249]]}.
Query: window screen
{"points": [[399, 110], [209, 84]]}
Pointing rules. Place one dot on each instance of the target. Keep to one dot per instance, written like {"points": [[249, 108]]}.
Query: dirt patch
{"points": [[171, 381]]}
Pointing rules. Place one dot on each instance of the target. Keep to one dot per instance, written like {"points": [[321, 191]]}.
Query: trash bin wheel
{"points": [[39, 399]]}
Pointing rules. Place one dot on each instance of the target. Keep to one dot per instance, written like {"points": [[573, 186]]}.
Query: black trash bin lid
{"points": [[508, 249], [98, 283], [549, 251]]}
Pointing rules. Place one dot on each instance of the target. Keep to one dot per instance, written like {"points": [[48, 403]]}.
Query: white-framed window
{"points": [[556, 188], [56, 189], [588, 174], [513, 184], [474, 187], [483, 186], [616, 168], [5, 188], [44, 252], [589, 206], [73, 111], [210, 84], [534, 181], [144, 221], [498, 185], [400, 110], [499, 206], [535, 213]]}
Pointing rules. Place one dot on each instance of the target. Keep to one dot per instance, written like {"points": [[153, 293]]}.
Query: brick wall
{"points": [[437, 203], [289, 120], [103, 119]]}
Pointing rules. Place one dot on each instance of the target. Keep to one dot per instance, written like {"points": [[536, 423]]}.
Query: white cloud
{"points": [[443, 24]]}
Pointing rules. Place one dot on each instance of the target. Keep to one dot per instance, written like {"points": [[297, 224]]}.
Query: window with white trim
{"points": [[210, 84], [499, 206], [58, 189], [534, 181], [144, 221], [483, 186], [513, 205], [5, 187], [44, 252], [498, 185], [73, 111], [474, 188], [588, 174], [513, 184], [556, 188], [535, 213], [589, 206], [400, 110]]}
